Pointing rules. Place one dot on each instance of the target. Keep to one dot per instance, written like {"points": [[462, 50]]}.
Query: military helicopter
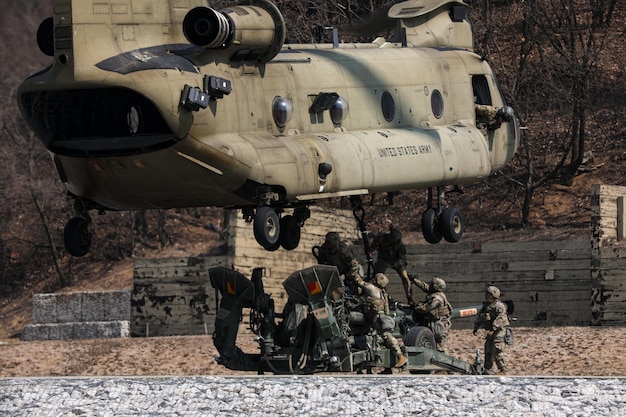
{"points": [[170, 103]]}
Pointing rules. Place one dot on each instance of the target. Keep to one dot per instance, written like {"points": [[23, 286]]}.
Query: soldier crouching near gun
{"points": [[493, 317], [335, 252], [376, 311], [436, 309], [392, 254]]}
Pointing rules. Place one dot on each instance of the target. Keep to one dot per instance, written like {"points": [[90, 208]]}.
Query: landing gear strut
{"points": [[439, 222]]}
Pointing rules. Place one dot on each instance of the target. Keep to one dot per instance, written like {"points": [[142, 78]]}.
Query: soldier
{"points": [[436, 309], [376, 310], [493, 317], [491, 117], [392, 254], [334, 252]]}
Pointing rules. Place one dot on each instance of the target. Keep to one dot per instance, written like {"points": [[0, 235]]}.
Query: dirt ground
{"points": [[564, 351]]}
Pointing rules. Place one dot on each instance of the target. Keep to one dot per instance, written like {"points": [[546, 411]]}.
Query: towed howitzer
{"points": [[317, 331]]}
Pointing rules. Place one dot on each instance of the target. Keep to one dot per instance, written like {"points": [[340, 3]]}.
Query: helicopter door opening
{"points": [[482, 95]]}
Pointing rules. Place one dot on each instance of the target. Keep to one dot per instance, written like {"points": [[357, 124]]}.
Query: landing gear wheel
{"points": [[430, 226], [452, 224], [266, 227], [77, 236], [289, 232], [273, 248]]}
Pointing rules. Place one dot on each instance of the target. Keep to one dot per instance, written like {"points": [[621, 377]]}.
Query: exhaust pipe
{"points": [[254, 31]]}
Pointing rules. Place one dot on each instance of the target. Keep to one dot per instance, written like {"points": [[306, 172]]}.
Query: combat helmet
{"points": [[494, 291], [506, 113], [437, 284], [332, 240], [395, 235], [380, 280]]}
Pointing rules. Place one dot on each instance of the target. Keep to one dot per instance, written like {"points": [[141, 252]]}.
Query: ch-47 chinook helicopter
{"points": [[170, 103]]}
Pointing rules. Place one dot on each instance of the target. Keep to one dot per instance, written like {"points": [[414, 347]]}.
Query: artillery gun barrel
{"points": [[466, 311]]}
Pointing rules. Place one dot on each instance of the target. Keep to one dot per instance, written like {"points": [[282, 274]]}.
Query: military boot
{"points": [[401, 361]]}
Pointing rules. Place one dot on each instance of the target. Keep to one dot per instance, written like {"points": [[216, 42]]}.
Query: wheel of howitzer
{"points": [[421, 337]]}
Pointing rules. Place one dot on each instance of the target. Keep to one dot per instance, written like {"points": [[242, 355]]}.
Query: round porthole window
{"points": [[388, 106], [282, 111], [436, 103], [339, 111]]}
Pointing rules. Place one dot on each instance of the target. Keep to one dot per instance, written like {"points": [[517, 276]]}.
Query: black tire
{"points": [[420, 336], [266, 227], [430, 226], [289, 232], [77, 237], [273, 248], [452, 224]]}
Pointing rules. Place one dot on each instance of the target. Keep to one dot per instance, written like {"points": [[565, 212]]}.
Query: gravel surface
{"points": [[314, 396], [568, 371]]}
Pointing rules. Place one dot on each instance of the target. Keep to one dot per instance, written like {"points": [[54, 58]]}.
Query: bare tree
{"points": [[550, 71]]}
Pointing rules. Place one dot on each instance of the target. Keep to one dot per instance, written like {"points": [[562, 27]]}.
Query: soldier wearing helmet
{"points": [[376, 311], [335, 252], [494, 318], [392, 254], [435, 309], [491, 117]]}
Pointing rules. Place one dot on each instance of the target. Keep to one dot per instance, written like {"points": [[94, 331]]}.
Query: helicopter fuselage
{"points": [[137, 117]]}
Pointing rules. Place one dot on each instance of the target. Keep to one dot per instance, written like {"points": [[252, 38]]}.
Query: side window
{"points": [[481, 89], [388, 106]]}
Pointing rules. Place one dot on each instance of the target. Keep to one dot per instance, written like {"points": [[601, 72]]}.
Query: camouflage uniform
{"points": [[486, 117], [436, 309], [334, 252], [494, 318], [392, 254], [376, 310]]}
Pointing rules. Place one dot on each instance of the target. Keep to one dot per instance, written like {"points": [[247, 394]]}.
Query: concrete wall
{"points": [[81, 315], [174, 296], [552, 283], [279, 264], [548, 281], [608, 242]]}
